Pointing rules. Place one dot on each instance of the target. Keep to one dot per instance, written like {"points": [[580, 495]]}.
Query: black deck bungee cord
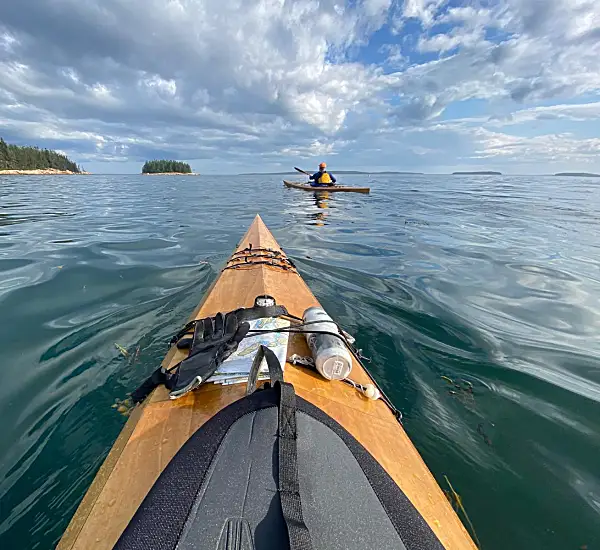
{"points": [[294, 330], [356, 353]]}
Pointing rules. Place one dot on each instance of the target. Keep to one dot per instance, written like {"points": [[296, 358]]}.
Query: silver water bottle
{"points": [[331, 356]]}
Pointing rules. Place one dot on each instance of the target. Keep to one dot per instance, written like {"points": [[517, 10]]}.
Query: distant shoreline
{"points": [[578, 174], [55, 172], [170, 174], [482, 173], [43, 172]]}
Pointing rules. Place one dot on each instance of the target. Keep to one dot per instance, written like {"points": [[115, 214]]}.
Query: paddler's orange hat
{"points": [[322, 165]]}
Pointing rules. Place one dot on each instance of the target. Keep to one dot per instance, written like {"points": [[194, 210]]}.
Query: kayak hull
{"points": [[159, 427], [333, 188]]}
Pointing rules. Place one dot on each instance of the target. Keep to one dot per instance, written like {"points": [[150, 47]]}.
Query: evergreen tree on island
{"points": [[166, 166], [14, 157]]}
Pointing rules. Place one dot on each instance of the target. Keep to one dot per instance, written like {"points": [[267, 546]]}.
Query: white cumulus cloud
{"points": [[261, 81]]}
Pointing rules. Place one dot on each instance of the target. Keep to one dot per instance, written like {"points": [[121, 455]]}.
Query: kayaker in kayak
{"points": [[322, 178]]}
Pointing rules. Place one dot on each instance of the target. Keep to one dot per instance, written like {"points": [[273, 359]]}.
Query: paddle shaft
{"points": [[309, 174]]}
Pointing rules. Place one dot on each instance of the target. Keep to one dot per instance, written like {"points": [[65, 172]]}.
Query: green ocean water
{"points": [[488, 281]]}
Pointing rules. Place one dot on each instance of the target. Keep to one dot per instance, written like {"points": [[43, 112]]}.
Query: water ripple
{"points": [[448, 283]]}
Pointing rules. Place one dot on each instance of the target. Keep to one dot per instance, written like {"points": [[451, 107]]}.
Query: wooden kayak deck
{"points": [[332, 188], [158, 428]]}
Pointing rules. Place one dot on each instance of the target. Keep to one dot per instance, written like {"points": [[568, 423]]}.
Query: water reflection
{"points": [[322, 199]]}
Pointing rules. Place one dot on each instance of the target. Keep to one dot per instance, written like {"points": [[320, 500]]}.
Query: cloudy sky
{"points": [[246, 85]]}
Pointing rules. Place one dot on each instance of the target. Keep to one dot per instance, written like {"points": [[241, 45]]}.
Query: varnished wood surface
{"points": [[159, 428]]}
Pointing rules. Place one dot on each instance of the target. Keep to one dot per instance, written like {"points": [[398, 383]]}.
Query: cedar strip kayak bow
{"points": [[218, 429], [333, 188]]}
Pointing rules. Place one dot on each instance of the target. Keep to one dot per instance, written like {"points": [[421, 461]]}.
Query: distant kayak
{"points": [[329, 188]]}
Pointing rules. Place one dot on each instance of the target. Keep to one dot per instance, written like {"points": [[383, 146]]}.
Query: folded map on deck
{"points": [[235, 369]]}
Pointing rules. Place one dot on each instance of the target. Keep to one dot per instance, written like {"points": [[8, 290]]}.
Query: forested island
{"points": [[166, 167], [578, 174], [15, 160], [484, 173]]}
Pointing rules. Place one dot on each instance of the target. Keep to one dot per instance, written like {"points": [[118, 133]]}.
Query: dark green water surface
{"points": [[491, 280]]}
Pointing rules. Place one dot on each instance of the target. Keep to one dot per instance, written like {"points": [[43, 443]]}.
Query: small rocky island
{"points": [[483, 173], [578, 174], [167, 167], [18, 160]]}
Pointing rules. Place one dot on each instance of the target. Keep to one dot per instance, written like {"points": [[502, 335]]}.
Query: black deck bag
{"points": [[271, 472]]}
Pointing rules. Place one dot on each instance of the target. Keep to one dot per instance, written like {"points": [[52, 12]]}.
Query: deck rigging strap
{"points": [[242, 314], [258, 311], [259, 256], [289, 486], [242, 265], [213, 340], [355, 352], [251, 250], [275, 370]]}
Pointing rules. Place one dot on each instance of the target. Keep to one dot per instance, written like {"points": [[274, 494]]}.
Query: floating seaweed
{"points": [[456, 502], [481, 432], [461, 389], [123, 406], [135, 356], [122, 350]]}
